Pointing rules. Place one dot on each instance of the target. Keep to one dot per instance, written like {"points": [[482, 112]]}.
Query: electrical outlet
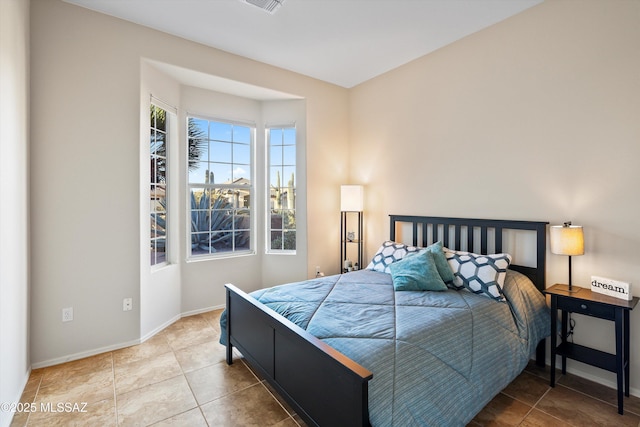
{"points": [[67, 314], [317, 270], [127, 304]]}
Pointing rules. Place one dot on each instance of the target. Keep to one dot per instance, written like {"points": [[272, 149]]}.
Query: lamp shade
{"points": [[351, 198], [566, 239]]}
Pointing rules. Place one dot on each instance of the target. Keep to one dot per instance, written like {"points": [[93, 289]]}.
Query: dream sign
{"points": [[610, 287]]}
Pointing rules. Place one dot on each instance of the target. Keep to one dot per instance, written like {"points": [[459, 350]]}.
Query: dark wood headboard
{"points": [[463, 233]]}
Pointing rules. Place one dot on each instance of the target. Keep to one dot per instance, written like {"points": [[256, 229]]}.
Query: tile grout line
{"points": [[151, 383], [184, 375], [115, 395], [289, 415], [615, 406], [517, 399], [170, 350], [560, 376], [535, 406], [579, 392], [35, 396], [531, 408]]}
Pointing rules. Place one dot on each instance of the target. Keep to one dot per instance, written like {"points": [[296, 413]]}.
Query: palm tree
{"points": [[197, 142]]}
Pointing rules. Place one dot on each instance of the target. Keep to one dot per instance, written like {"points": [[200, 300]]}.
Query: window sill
{"points": [[214, 257]]}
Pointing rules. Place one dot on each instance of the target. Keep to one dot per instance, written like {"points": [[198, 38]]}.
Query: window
{"points": [[158, 185], [282, 188], [220, 186]]}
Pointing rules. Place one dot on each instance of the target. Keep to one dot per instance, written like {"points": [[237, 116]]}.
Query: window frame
{"points": [[226, 187], [154, 185], [268, 189]]}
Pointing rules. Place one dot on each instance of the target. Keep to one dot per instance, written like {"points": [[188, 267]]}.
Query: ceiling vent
{"points": [[270, 6]]}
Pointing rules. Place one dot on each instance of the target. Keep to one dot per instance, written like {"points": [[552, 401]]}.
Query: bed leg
{"points": [[229, 354], [540, 353], [228, 330]]}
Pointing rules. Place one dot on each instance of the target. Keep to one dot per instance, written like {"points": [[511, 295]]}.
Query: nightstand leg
{"points": [[565, 320], [626, 361], [619, 357], [554, 338]]}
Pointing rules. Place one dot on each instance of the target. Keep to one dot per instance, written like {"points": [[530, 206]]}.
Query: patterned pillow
{"points": [[480, 274], [389, 253]]}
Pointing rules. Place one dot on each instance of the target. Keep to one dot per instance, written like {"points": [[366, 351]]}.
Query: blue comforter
{"points": [[437, 358]]}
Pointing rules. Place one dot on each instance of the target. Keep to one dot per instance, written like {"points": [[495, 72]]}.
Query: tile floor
{"points": [[179, 378]]}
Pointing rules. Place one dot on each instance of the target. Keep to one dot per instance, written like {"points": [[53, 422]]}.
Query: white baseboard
{"points": [[93, 352], [201, 310], [83, 354], [160, 328]]}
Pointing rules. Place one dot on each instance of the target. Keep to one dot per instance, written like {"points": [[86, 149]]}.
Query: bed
{"points": [[350, 350]]}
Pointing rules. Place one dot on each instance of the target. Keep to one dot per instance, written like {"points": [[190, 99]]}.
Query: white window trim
{"points": [[267, 211], [168, 109]]}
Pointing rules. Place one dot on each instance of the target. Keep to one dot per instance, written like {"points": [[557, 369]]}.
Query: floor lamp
{"points": [[351, 202]]}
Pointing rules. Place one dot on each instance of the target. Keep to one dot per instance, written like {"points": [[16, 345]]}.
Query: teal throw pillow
{"points": [[441, 262], [417, 273]]}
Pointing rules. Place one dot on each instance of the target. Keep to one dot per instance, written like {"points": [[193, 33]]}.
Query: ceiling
{"points": [[344, 42]]}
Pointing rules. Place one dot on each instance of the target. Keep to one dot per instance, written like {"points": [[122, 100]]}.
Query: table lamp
{"points": [[568, 240]]}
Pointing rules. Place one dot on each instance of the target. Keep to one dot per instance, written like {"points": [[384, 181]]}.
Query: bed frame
{"points": [[322, 385]]}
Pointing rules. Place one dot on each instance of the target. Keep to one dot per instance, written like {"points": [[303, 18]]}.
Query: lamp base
{"points": [[569, 289]]}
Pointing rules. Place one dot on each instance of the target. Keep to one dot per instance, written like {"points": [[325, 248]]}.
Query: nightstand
{"points": [[596, 305]]}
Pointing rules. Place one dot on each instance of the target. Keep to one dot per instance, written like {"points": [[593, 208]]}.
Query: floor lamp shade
{"points": [[567, 239], [351, 198]]}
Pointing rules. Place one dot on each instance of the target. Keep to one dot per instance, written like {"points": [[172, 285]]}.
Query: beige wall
{"points": [[535, 118], [14, 215], [86, 135]]}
